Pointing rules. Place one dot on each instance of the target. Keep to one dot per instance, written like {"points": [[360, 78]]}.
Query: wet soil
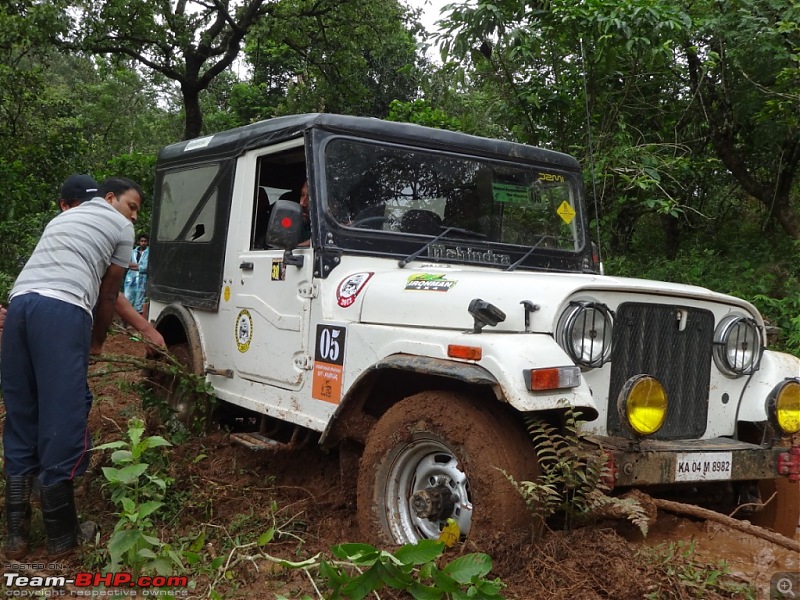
{"points": [[224, 496]]}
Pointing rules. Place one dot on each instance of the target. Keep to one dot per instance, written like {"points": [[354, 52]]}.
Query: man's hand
{"points": [[128, 314], [156, 342], [151, 335]]}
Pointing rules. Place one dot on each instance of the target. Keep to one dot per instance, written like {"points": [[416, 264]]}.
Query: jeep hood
{"points": [[439, 297]]}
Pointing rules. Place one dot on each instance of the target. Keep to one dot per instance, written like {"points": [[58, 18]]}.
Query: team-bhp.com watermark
{"points": [[94, 584]]}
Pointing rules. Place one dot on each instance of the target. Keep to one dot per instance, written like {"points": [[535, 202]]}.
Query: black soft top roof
{"points": [[237, 141]]}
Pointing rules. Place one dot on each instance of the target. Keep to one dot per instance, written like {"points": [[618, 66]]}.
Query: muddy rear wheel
{"points": [[782, 513], [436, 456]]}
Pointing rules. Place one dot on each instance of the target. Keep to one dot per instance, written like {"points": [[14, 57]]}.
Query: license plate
{"points": [[703, 466]]}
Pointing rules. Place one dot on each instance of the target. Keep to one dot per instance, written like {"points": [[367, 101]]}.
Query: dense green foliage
{"points": [[691, 139], [352, 57]]}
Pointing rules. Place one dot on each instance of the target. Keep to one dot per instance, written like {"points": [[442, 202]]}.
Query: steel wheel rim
{"points": [[423, 463]]}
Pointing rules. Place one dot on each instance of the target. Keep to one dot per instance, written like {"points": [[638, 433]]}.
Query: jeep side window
{"points": [[188, 205], [279, 176]]}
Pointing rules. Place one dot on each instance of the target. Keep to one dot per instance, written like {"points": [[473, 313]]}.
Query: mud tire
{"points": [[188, 410], [783, 512], [479, 438]]}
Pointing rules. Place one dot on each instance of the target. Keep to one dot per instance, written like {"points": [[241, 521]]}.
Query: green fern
{"points": [[611, 506], [573, 476]]}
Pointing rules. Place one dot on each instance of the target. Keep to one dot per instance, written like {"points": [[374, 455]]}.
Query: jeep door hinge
{"points": [[304, 361], [308, 291]]}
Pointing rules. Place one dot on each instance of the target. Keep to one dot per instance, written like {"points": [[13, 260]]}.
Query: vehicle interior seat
{"points": [[425, 222], [263, 210]]}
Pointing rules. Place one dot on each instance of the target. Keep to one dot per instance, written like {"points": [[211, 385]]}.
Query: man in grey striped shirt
{"points": [[49, 333]]}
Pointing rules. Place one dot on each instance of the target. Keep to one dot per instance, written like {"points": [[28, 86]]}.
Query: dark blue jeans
{"points": [[45, 353]]}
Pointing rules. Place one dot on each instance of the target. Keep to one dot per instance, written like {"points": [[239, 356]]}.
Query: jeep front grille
{"points": [[672, 343]]}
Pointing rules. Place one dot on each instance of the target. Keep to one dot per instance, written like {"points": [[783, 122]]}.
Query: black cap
{"points": [[79, 187]]}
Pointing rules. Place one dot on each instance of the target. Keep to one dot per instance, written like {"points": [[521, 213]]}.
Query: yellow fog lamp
{"points": [[783, 406], [642, 404]]}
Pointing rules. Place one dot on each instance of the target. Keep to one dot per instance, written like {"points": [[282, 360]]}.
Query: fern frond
{"points": [[601, 505], [574, 475]]}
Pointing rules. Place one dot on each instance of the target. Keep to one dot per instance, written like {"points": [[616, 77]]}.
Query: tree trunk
{"points": [[775, 196], [743, 526], [193, 124], [775, 191], [787, 217]]}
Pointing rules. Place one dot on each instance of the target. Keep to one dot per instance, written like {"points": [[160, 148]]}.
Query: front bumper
{"points": [[651, 462]]}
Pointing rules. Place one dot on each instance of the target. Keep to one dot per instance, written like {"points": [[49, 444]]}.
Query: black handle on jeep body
{"points": [[246, 266]]}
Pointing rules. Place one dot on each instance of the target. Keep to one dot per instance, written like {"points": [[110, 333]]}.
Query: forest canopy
{"points": [[685, 115]]}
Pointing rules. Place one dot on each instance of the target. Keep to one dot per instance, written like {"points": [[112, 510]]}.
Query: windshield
{"points": [[409, 191]]}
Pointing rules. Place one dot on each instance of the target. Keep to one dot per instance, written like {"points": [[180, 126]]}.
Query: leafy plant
{"points": [[362, 569], [785, 314], [574, 476], [676, 560], [138, 493]]}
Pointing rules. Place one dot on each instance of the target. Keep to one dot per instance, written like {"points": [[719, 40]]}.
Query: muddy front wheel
{"points": [[176, 389], [437, 456], [782, 512]]}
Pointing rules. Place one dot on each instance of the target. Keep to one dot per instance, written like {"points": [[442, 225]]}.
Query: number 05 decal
{"points": [[329, 363]]}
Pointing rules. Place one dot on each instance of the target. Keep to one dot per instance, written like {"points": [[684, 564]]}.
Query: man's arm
{"points": [[128, 314], [109, 290]]}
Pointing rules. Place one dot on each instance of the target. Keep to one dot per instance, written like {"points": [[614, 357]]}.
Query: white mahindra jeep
{"points": [[447, 291]]}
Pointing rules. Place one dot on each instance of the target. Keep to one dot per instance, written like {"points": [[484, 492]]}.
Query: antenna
{"points": [[591, 155]]}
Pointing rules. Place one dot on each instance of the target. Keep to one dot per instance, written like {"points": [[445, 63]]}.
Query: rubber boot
{"points": [[18, 515], [60, 518]]}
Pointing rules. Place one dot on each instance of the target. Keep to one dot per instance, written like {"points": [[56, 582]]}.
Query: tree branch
{"points": [[744, 526]]}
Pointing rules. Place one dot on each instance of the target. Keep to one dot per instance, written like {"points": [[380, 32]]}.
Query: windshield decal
{"points": [[508, 193], [551, 177], [429, 282], [478, 255], [566, 212]]}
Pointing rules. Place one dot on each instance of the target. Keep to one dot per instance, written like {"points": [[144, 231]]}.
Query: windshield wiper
{"points": [[528, 253], [468, 232], [402, 263]]}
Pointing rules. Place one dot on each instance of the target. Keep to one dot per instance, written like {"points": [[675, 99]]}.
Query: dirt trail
{"points": [[227, 492], [751, 559]]}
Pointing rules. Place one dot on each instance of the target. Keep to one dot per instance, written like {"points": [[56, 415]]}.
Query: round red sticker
{"points": [[350, 288]]}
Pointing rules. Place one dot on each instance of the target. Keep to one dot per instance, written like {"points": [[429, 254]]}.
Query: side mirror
{"points": [[285, 225], [285, 229]]}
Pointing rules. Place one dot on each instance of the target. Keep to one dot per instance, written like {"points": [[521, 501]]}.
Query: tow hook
{"points": [[433, 504], [789, 463]]}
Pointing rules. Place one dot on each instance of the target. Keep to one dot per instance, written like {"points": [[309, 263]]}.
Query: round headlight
{"points": [[642, 404], [585, 333], [783, 406], [738, 345]]}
